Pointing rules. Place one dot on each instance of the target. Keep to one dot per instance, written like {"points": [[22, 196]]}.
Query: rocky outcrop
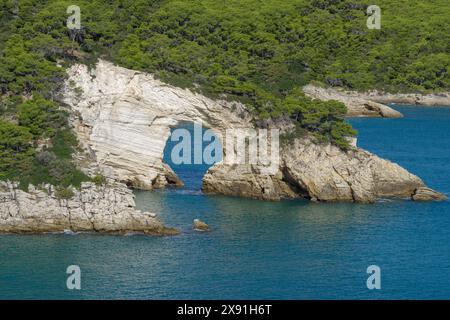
{"points": [[246, 180], [323, 173], [200, 226], [427, 194], [357, 105], [373, 103], [105, 209], [124, 117], [432, 99]]}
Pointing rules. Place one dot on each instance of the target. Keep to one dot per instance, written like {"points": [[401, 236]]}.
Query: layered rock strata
{"points": [[123, 118], [104, 209], [357, 106], [320, 173]]}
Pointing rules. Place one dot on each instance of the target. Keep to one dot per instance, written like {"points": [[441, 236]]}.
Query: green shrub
{"points": [[64, 193], [41, 116], [16, 151], [99, 180], [63, 144]]}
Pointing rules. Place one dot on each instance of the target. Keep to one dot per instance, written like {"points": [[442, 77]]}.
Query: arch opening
{"points": [[190, 151]]}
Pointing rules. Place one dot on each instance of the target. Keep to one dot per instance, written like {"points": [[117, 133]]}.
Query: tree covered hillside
{"points": [[260, 52]]}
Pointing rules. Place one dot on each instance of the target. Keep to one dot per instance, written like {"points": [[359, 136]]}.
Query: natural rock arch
{"points": [[123, 118]]}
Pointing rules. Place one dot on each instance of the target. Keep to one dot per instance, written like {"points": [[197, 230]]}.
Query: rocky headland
{"points": [[431, 99], [320, 173], [357, 106], [373, 103], [124, 117]]}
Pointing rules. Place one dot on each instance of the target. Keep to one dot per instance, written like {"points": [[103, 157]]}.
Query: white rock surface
{"points": [[357, 106], [320, 173], [123, 117], [105, 209]]}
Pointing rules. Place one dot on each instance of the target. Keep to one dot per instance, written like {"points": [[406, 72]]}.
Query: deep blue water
{"points": [[286, 250]]}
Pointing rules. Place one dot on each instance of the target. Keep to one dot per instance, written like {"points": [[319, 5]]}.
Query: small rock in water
{"points": [[200, 226]]}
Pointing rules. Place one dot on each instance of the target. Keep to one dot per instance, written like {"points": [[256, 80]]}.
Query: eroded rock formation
{"points": [[317, 172], [105, 209], [123, 118], [357, 105], [427, 194]]}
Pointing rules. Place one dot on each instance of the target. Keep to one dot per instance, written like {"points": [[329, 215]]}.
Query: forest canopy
{"points": [[260, 52]]}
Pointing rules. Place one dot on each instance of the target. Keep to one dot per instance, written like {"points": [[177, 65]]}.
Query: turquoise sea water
{"points": [[264, 250]]}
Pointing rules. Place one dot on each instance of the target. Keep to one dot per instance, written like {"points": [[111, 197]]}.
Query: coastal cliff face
{"points": [[123, 118], [317, 172], [105, 209]]}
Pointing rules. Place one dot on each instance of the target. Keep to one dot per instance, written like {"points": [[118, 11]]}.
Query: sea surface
{"points": [[263, 250]]}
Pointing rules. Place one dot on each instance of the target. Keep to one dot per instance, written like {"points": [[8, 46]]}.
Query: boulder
{"points": [[200, 226]]}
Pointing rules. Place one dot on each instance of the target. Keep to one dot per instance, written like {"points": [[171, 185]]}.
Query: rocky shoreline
{"points": [[123, 119], [320, 173], [106, 209], [432, 99], [373, 103], [357, 106]]}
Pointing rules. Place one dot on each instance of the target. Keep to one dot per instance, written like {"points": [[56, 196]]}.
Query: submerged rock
{"points": [[199, 225], [104, 209], [427, 194]]}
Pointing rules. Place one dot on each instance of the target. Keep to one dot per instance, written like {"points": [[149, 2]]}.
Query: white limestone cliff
{"points": [[104, 209], [123, 118]]}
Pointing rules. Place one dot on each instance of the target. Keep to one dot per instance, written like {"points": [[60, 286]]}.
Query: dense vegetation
{"points": [[258, 51]]}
